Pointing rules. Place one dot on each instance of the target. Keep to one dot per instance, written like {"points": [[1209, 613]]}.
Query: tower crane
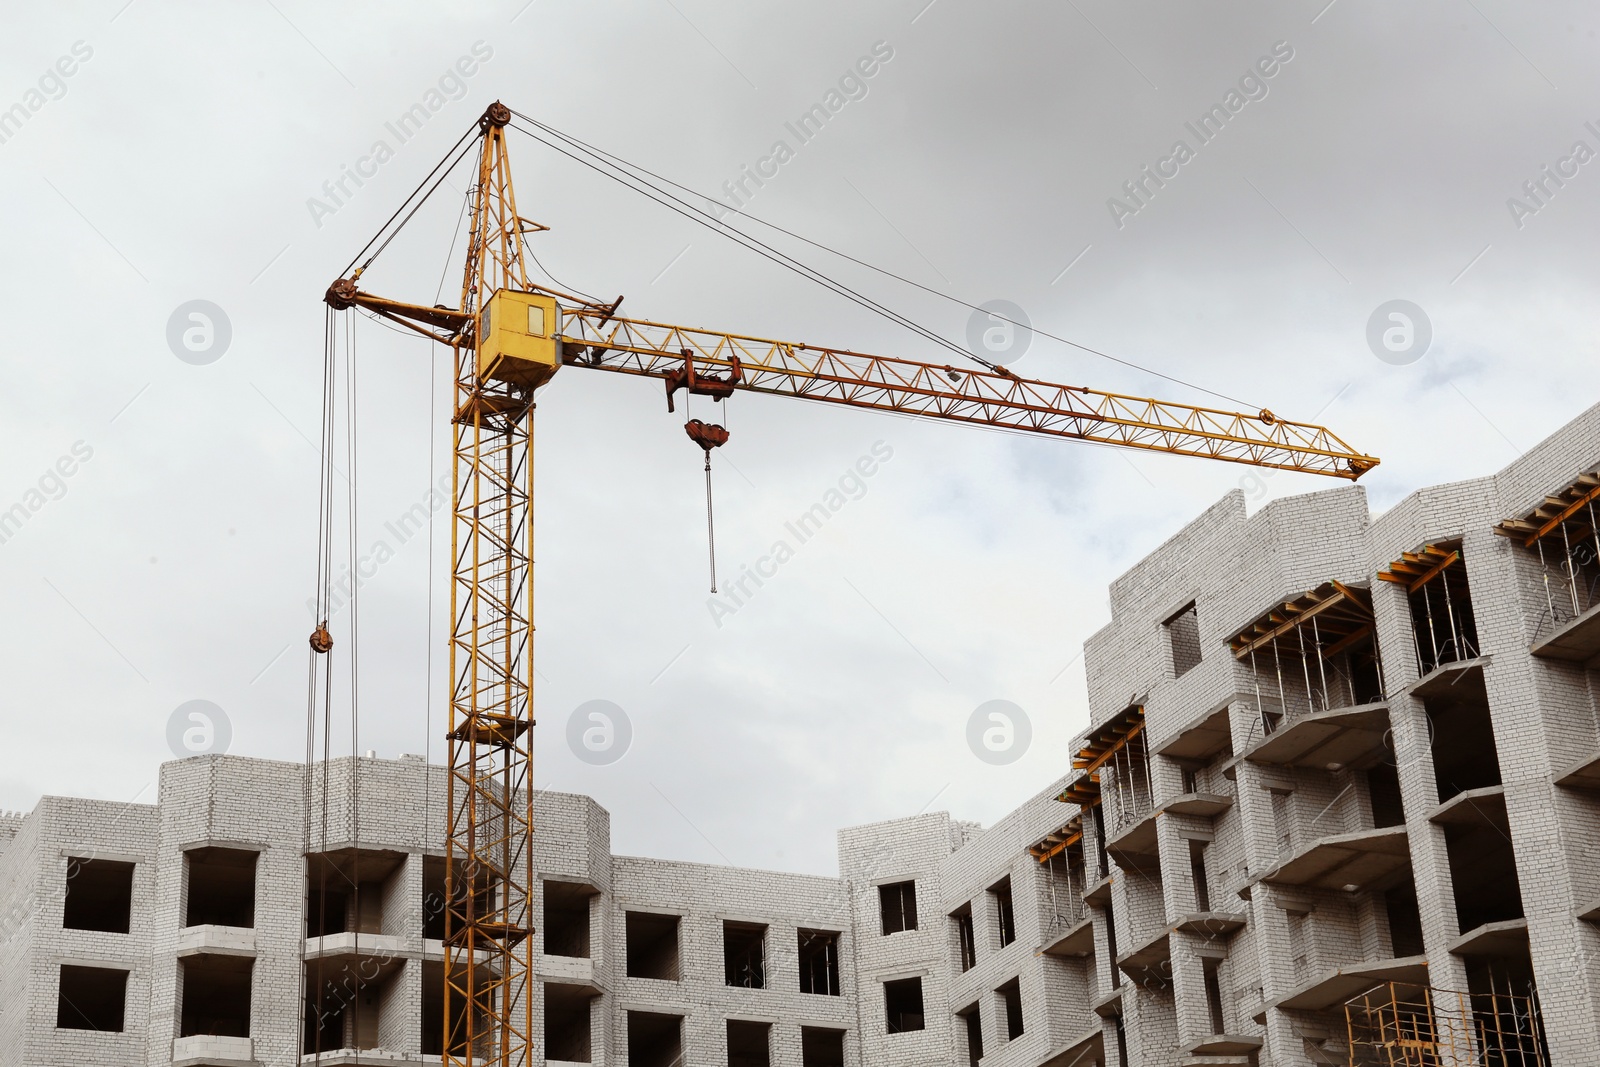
{"points": [[509, 335]]}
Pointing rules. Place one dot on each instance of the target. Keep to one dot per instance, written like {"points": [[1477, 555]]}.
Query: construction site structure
{"points": [[1338, 803], [508, 335]]}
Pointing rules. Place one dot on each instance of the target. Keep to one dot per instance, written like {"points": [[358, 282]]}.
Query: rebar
{"points": [[1322, 665]]}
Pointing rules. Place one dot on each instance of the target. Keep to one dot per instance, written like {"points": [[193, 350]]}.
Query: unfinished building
{"points": [[1338, 803]]}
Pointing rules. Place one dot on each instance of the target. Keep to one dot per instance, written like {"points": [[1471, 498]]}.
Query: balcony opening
{"points": [[744, 955], [91, 998], [1122, 1041], [1483, 869], [350, 891], [326, 1014], [1461, 736], [749, 1044], [566, 919], [1213, 986], [821, 1047], [654, 1039], [902, 1005], [1205, 788], [434, 899], [1505, 1009], [1102, 858], [567, 1023], [819, 962], [1199, 876], [327, 910], [1283, 820], [1011, 997], [216, 995], [653, 946], [1312, 654], [972, 1022], [221, 887], [897, 904], [966, 943], [1183, 640], [1443, 627], [1300, 943], [433, 1030], [1111, 947], [99, 896], [353, 1004], [1405, 919], [1004, 912], [1383, 790]]}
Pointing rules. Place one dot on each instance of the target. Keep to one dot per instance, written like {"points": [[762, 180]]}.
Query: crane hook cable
{"points": [[619, 162], [697, 216], [599, 159], [447, 158], [711, 525]]}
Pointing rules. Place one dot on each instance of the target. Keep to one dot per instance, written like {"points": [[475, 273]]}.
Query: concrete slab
{"points": [[1339, 984], [1584, 774], [1342, 737], [1358, 859], [1084, 1049], [1472, 807], [1493, 939], [1576, 641], [1199, 805], [1075, 940]]}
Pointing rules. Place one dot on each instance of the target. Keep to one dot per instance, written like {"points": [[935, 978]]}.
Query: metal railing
{"points": [[1065, 884], [1571, 588], [1126, 787], [1444, 629], [1292, 683], [1570, 575]]}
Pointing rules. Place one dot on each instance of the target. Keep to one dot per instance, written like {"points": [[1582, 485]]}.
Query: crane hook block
{"points": [[685, 377], [321, 639], [707, 435]]}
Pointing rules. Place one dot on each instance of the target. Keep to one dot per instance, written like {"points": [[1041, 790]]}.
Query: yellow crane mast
{"points": [[509, 335]]}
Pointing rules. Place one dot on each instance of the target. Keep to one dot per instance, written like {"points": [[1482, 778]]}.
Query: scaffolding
{"points": [[1400, 1025]]}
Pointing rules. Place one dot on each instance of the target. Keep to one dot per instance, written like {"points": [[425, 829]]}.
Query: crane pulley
{"points": [[510, 335]]}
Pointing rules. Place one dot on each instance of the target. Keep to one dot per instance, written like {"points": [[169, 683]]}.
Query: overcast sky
{"points": [[185, 156]]}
